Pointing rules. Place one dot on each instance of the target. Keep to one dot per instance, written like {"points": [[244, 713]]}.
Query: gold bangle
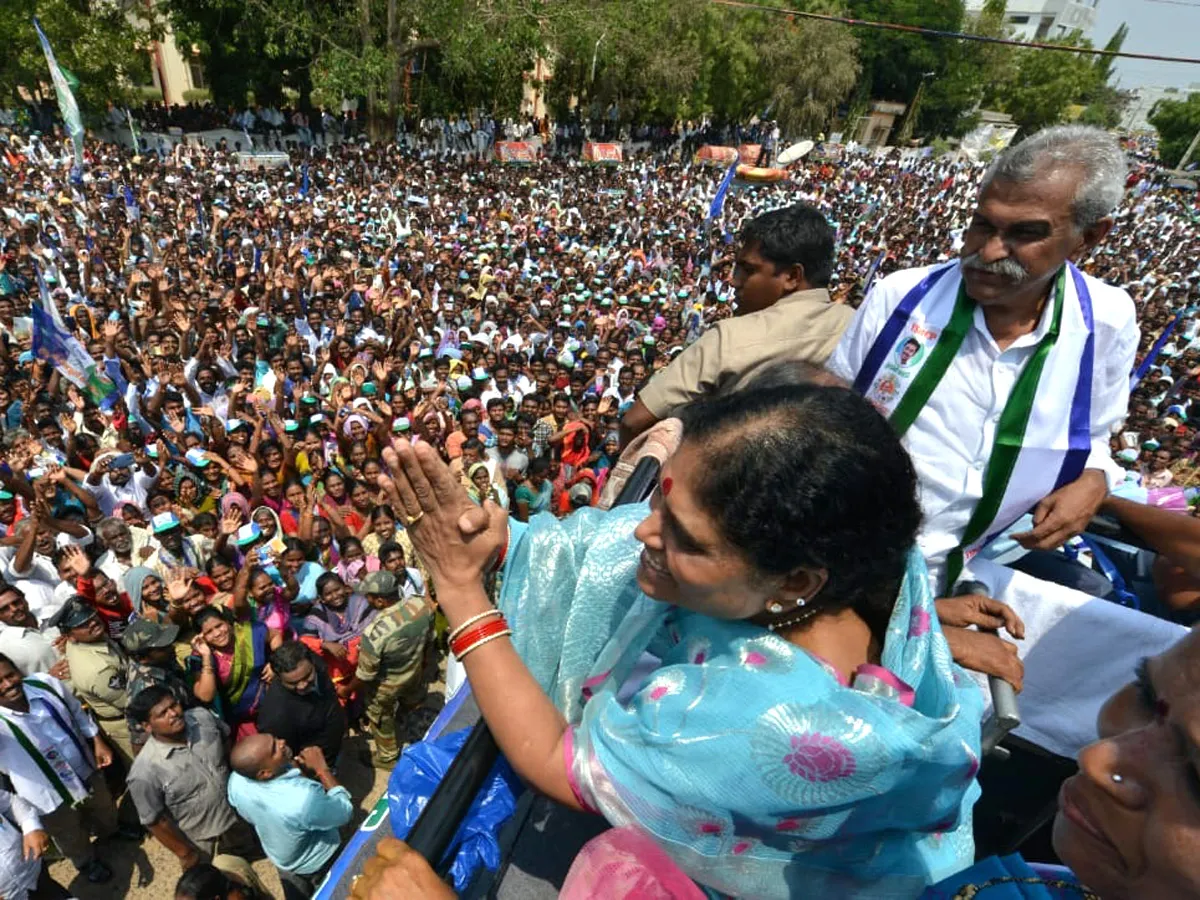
{"points": [[506, 633], [471, 621]]}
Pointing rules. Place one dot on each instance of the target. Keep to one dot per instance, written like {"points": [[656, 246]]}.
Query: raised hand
{"points": [[231, 521], [76, 560]]}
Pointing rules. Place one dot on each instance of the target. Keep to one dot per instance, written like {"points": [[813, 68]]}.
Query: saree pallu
{"points": [[745, 758], [244, 686]]}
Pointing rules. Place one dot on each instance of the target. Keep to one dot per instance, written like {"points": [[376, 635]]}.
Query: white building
{"points": [[1043, 20], [1145, 98]]}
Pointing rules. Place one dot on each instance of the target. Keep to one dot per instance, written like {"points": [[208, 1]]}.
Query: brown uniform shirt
{"points": [[800, 327]]}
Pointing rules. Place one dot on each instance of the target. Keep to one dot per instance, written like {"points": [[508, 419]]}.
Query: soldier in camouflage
{"points": [[390, 660], [152, 660]]}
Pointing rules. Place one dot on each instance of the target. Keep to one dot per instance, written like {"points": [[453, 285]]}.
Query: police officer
{"points": [[97, 667]]}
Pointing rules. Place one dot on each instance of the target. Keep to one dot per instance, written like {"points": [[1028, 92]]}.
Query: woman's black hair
{"points": [[382, 509], [215, 561], [295, 545], [326, 578], [538, 467], [801, 476], [348, 542], [207, 613]]}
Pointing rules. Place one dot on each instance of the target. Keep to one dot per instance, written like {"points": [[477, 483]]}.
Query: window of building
{"points": [[1018, 20], [196, 74]]}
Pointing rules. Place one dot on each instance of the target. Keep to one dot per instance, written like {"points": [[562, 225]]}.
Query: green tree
{"points": [[950, 102], [98, 43], [1177, 122], [1045, 84], [1104, 102], [683, 59]]}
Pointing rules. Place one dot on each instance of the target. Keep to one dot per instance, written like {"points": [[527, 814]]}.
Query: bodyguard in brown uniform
{"points": [[783, 313]]}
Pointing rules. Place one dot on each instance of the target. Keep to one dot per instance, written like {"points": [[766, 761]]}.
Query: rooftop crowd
{"points": [[211, 558]]}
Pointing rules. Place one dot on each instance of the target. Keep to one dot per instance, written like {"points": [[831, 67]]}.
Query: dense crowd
{"points": [[203, 539]]}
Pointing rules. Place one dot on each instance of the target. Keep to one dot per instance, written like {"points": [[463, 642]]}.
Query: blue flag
{"points": [[874, 270], [132, 212], [304, 180], [718, 202], [66, 100], [51, 342], [1140, 372]]}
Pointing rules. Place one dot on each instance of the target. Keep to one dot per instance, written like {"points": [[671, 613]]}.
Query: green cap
{"points": [[382, 582]]}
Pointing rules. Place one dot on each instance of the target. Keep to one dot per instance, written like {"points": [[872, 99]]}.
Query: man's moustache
{"points": [[1005, 268]]}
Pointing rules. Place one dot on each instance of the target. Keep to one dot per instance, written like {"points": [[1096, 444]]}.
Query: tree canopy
{"points": [[100, 46], [653, 60], [1177, 122]]}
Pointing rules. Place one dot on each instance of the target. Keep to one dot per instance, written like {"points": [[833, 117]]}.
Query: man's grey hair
{"points": [[1092, 151], [111, 525]]}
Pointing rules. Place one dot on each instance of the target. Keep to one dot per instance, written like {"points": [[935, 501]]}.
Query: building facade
{"points": [[1136, 116], [1045, 20]]}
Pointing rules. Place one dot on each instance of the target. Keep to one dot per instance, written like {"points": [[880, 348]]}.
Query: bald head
{"points": [[260, 757]]}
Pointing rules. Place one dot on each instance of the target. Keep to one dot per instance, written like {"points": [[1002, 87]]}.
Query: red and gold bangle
{"points": [[475, 646], [466, 640], [471, 621]]}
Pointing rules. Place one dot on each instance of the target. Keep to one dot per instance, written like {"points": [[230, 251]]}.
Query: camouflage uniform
{"points": [[142, 676], [390, 662], [141, 636]]}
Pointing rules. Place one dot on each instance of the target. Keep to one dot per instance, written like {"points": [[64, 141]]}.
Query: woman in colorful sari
{"points": [[535, 493], [803, 733], [334, 627], [230, 664], [1128, 824]]}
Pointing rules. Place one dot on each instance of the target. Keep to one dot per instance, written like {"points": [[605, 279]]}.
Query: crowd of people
{"points": [[211, 548]]}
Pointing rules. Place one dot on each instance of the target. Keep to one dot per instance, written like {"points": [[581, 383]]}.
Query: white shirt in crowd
{"points": [[54, 744], [18, 875], [30, 649], [952, 438], [112, 497]]}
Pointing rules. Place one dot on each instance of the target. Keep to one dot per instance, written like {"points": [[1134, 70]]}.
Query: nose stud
{"points": [[1117, 779]]}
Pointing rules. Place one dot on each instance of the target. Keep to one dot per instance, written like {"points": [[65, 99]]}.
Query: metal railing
{"points": [[435, 828]]}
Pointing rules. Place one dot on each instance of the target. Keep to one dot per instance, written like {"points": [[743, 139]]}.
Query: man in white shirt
{"points": [[29, 645], [52, 752], [114, 486], [23, 843], [1035, 355]]}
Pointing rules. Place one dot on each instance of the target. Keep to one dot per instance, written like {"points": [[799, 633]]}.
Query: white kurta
{"points": [[952, 438]]}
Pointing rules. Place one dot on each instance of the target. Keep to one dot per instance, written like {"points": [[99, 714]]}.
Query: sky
{"points": [[1155, 26]]}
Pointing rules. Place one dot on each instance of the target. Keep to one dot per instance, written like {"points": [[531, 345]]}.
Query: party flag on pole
{"points": [[718, 202], [63, 350], [66, 100], [1140, 372]]}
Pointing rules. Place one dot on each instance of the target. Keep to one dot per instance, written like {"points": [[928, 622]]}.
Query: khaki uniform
{"points": [[98, 678], [800, 327], [390, 661]]}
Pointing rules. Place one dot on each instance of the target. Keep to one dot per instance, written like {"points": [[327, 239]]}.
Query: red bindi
{"points": [[667, 484]]}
